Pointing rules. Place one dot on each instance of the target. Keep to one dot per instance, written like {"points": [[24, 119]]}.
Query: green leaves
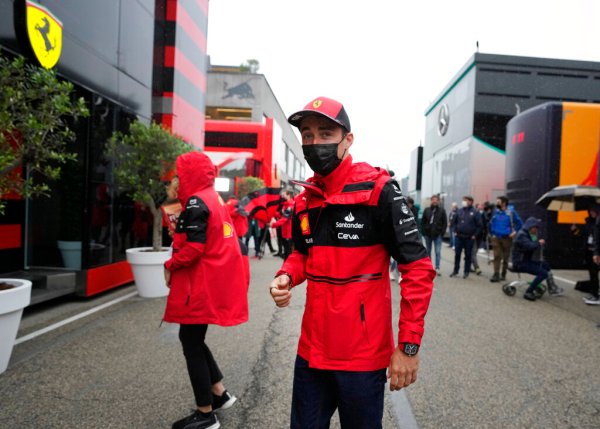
{"points": [[141, 160], [36, 109]]}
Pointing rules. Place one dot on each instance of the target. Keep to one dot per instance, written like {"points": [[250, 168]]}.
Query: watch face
{"points": [[411, 349]]}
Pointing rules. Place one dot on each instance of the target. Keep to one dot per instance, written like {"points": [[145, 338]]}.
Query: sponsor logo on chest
{"points": [[349, 223]]}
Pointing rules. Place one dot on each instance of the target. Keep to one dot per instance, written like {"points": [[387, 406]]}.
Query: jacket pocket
{"points": [[345, 329]]}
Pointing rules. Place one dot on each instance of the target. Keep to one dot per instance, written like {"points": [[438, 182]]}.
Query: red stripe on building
{"points": [[203, 4], [176, 12], [107, 277], [176, 59], [186, 121], [10, 236], [171, 12]]}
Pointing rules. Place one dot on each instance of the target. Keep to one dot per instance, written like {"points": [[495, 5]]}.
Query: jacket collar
{"points": [[334, 182]]}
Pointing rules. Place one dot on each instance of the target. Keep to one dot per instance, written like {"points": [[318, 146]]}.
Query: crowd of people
{"points": [[514, 244]]}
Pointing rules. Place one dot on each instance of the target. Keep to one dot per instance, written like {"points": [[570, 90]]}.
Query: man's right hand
{"points": [[280, 290], [542, 241], [596, 259]]}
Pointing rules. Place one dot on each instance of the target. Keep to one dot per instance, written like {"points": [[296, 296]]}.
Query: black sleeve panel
{"points": [[195, 220], [399, 226]]}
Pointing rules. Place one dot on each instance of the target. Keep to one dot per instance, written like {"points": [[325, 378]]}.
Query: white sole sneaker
{"points": [[229, 403]]}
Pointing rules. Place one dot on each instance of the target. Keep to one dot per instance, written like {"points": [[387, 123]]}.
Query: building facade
{"points": [[129, 59], [465, 126], [242, 97]]}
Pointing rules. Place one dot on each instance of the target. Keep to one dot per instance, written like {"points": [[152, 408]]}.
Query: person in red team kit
{"points": [[208, 284], [345, 225]]}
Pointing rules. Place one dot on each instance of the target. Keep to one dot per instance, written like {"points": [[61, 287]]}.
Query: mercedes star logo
{"points": [[443, 120]]}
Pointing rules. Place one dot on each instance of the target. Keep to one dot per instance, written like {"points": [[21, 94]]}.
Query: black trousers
{"points": [[593, 271], [202, 367]]}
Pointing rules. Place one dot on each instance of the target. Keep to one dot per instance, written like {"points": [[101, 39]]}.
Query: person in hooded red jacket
{"points": [[346, 224], [240, 223], [285, 223], [207, 283]]}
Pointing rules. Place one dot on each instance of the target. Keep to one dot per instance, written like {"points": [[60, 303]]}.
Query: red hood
{"points": [[196, 172]]}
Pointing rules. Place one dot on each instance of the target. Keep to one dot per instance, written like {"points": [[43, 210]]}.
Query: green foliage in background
{"points": [[36, 109], [141, 159], [248, 184]]}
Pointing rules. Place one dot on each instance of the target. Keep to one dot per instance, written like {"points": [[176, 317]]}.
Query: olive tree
{"points": [[36, 109], [141, 159]]}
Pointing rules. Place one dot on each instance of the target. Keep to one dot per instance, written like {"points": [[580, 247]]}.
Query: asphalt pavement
{"points": [[487, 361]]}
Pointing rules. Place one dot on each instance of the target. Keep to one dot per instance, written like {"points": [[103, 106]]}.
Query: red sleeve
{"points": [[415, 289], [280, 222], [295, 265], [185, 257]]}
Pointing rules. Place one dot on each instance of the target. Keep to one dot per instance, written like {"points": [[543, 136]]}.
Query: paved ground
{"points": [[488, 361]]}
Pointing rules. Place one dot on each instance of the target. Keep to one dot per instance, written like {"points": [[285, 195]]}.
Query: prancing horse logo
{"points": [[45, 34]]}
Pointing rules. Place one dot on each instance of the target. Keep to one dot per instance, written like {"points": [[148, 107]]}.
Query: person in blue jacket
{"points": [[504, 225], [467, 225], [526, 244]]}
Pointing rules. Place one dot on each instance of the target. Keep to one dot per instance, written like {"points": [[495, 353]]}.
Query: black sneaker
{"points": [[529, 296], [466, 276], [198, 421], [495, 278], [453, 274], [226, 400]]}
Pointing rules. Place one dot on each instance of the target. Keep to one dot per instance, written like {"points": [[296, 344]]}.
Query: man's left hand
{"points": [[168, 278], [402, 371]]}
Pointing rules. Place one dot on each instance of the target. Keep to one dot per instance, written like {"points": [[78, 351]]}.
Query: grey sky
{"points": [[387, 60]]}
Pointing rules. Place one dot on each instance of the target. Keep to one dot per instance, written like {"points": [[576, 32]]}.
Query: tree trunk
{"points": [[156, 228]]}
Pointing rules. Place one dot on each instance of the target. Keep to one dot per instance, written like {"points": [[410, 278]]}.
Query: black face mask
{"points": [[499, 206], [322, 158]]}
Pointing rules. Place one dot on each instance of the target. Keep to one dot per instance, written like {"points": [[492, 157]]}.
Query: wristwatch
{"points": [[410, 349]]}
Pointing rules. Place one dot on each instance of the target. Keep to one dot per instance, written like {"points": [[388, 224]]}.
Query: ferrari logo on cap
{"points": [[45, 34], [317, 104]]}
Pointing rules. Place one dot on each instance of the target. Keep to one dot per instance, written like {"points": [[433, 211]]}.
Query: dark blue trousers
{"points": [[463, 243], [317, 393], [538, 268]]}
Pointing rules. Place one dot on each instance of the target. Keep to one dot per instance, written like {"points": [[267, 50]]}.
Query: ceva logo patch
{"points": [[45, 34]]}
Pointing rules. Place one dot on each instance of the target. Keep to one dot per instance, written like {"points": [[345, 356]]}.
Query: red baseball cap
{"points": [[324, 106]]}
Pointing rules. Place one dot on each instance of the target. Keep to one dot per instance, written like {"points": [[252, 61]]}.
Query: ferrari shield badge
{"points": [[45, 34]]}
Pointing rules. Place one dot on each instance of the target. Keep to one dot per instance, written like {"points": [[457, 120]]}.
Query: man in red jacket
{"points": [[346, 224], [207, 283]]}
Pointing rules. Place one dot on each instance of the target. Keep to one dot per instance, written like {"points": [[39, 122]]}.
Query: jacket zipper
{"points": [[363, 319]]}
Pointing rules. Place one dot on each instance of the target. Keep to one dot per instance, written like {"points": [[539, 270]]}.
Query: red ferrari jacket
{"points": [[285, 221], [345, 226], [208, 282]]}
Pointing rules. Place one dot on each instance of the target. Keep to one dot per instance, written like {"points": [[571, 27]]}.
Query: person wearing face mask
{"points": [[467, 225], [527, 242], [348, 221], [504, 225]]}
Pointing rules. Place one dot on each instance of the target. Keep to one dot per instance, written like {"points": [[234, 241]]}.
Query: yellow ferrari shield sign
{"points": [[45, 34]]}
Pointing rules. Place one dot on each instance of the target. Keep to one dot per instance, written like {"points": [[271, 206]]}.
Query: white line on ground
{"points": [[571, 282], [403, 411], [72, 319]]}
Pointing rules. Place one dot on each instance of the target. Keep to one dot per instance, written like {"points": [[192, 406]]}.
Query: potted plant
{"points": [[15, 295], [140, 160], [36, 109], [70, 229]]}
